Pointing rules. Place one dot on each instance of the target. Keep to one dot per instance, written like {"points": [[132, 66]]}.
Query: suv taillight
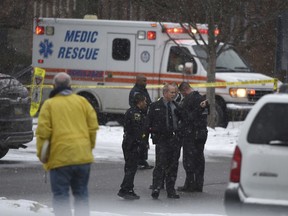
{"points": [[236, 166]]}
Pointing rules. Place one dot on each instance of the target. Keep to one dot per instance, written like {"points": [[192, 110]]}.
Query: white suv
{"points": [[259, 171]]}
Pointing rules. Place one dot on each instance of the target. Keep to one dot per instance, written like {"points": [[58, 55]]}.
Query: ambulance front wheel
{"points": [[102, 119]]}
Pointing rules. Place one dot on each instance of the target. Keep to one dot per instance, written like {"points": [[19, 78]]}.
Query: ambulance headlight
{"points": [[238, 92]]}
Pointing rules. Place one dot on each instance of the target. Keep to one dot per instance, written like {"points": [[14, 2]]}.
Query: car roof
{"points": [[277, 97], [266, 99]]}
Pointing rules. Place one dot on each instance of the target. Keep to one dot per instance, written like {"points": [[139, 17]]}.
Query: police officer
{"points": [[134, 137], [194, 131], [162, 123], [140, 88]]}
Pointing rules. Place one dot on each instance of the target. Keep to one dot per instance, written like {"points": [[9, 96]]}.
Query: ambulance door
{"points": [[175, 66], [120, 72], [145, 65], [121, 52]]}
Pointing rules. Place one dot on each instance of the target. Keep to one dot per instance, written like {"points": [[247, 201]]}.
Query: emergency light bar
{"points": [[205, 31], [178, 30], [181, 30]]}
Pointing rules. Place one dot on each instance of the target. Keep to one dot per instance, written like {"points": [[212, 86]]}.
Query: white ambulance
{"points": [[104, 56]]}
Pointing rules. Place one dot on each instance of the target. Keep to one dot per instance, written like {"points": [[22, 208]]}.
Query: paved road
{"points": [[24, 180]]}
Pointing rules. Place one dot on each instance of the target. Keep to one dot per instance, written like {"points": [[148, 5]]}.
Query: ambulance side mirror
{"points": [[188, 69]]}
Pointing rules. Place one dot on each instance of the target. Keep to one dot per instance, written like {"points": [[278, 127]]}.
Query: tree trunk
{"points": [[211, 90], [211, 63]]}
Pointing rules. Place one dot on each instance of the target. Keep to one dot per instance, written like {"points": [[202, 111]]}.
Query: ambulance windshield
{"points": [[228, 61]]}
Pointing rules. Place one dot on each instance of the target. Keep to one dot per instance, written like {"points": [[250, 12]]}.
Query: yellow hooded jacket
{"points": [[70, 123]]}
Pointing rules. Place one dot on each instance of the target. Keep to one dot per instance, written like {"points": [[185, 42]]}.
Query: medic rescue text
{"points": [[79, 52]]}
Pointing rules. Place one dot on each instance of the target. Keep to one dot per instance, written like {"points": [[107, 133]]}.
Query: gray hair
{"points": [[62, 80], [166, 87]]}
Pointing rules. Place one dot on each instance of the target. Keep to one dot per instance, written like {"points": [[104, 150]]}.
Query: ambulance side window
{"points": [[121, 49], [177, 58]]}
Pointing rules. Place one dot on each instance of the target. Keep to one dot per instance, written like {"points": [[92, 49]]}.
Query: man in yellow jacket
{"points": [[69, 123]]}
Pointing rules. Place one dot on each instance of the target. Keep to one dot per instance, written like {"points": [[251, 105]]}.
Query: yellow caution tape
{"points": [[36, 90], [225, 84], [275, 87], [195, 85]]}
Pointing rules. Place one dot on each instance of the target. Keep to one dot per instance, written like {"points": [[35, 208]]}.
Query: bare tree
{"points": [[234, 19], [13, 13]]}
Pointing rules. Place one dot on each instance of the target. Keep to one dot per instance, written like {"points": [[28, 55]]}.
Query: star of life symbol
{"points": [[46, 48]]}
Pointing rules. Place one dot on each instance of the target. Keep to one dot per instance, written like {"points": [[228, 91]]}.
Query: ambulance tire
{"points": [[102, 117], [221, 114], [112, 119], [120, 119]]}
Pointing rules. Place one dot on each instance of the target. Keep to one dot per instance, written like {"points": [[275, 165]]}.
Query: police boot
{"points": [[189, 186], [199, 184]]}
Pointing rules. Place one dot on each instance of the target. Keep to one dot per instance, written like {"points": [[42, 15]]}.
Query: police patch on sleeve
{"points": [[137, 117]]}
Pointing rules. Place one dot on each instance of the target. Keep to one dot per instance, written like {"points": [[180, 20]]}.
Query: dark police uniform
{"points": [[143, 151], [137, 89], [167, 146], [132, 140], [194, 131]]}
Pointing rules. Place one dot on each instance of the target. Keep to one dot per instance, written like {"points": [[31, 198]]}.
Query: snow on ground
{"points": [[220, 142]]}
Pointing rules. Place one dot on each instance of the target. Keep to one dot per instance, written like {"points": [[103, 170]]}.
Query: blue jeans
{"points": [[76, 177]]}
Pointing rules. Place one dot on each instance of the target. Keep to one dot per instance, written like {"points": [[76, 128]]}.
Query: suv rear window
{"points": [[271, 123]]}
